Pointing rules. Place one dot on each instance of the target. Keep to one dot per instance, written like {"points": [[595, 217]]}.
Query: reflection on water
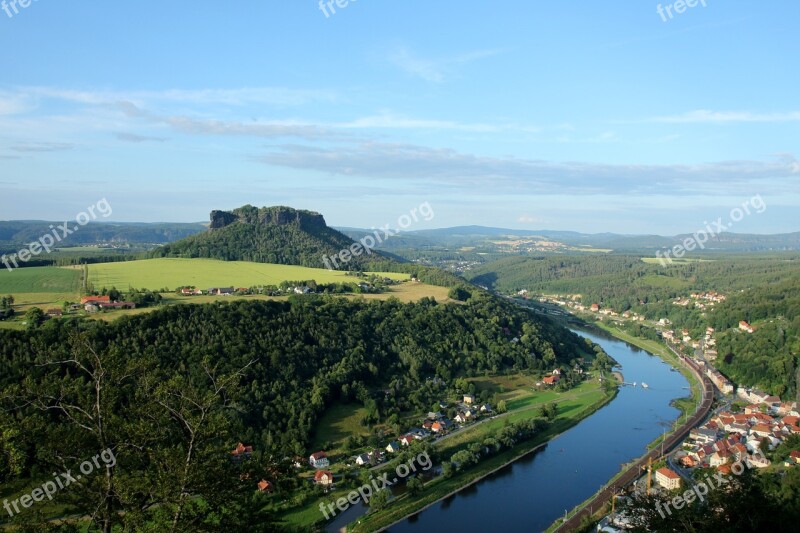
{"points": [[536, 490]]}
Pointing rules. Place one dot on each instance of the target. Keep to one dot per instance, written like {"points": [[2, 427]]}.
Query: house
{"points": [[689, 461], [668, 479], [221, 291], [301, 290], [794, 457], [557, 372], [95, 299], [393, 447], [363, 459], [319, 460], [406, 440], [437, 427], [241, 452], [187, 291], [265, 486], [744, 326], [703, 435], [323, 478], [55, 313], [550, 380], [595, 307], [719, 458], [486, 408], [469, 399], [762, 430], [91, 308], [461, 418], [759, 461]]}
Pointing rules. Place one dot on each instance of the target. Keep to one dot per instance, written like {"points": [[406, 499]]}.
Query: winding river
{"points": [[530, 494]]}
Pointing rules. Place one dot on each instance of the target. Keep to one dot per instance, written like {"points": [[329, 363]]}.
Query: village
{"points": [[747, 424], [318, 468]]}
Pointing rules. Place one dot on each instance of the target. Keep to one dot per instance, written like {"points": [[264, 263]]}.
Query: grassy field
{"points": [[47, 287], [43, 287], [172, 273], [51, 280], [338, 423]]}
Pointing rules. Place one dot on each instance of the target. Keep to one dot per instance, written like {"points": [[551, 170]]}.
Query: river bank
{"points": [[441, 489], [695, 405]]}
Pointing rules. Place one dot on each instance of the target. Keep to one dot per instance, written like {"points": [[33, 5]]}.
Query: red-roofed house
{"points": [[241, 452], [744, 326], [95, 300], [264, 486], [319, 460], [551, 380], [407, 440], [324, 478], [668, 479]]}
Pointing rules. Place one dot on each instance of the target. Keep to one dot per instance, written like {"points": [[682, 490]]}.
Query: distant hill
{"points": [[280, 235], [481, 236], [16, 232]]}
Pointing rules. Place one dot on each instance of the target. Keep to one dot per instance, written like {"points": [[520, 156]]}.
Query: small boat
{"points": [[645, 385], [634, 383]]}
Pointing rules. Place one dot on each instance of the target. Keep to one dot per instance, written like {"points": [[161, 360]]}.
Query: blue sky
{"points": [[589, 116]]}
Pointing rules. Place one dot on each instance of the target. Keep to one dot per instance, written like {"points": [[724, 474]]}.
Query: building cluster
{"points": [[729, 437], [574, 302], [94, 304], [701, 300]]}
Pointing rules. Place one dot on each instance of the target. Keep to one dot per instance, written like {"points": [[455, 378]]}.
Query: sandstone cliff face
{"points": [[274, 216]]}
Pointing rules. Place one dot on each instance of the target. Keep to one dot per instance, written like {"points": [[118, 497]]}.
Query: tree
{"points": [[502, 407], [415, 485], [12, 456], [35, 317], [380, 499]]}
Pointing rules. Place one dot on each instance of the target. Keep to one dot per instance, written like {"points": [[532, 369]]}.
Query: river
{"points": [[530, 494]]}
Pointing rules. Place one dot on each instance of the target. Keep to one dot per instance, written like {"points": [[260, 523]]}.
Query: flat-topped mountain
{"points": [[277, 234]]}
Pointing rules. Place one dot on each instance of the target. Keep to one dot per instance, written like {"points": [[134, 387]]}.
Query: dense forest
{"points": [[172, 392], [763, 290]]}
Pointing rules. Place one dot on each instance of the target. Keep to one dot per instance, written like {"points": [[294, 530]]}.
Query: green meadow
{"points": [[171, 273]]}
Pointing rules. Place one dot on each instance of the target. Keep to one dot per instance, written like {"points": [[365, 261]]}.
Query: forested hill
{"points": [[173, 391], [281, 235], [764, 291]]}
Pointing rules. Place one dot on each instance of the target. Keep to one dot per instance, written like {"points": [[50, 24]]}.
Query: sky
{"points": [[571, 115]]}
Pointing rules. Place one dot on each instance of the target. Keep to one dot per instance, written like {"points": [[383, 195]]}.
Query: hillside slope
{"points": [[280, 235]]}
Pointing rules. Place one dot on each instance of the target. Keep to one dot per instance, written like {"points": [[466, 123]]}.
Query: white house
{"points": [[319, 460]]}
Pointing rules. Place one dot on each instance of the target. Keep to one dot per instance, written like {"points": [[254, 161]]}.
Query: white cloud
{"points": [[453, 170], [707, 116], [435, 70]]}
